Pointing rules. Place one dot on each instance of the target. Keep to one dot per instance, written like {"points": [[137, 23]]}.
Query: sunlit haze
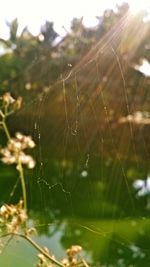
{"points": [[34, 13]]}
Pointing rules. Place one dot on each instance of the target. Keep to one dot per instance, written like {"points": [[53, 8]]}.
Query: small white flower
{"points": [[31, 164]]}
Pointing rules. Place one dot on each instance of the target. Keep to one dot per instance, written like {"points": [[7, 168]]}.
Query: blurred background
{"points": [[83, 70]]}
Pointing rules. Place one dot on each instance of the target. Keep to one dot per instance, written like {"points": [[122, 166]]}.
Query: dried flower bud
{"points": [[31, 164], [18, 103], [73, 250], [41, 256], [42, 260], [46, 249], [65, 262], [3, 210], [19, 136], [31, 231], [8, 99]]}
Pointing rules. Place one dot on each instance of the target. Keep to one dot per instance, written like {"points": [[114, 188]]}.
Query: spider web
{"points": [[68, 145]]}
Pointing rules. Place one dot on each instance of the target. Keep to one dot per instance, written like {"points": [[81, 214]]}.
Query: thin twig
{"points": [[6, 129], [36, 246], [84, 263], [21, 174], [7, 243]]}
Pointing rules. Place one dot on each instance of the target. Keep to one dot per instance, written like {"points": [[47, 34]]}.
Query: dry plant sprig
{"points": [[14, 153], [13, 218], [8, 105], [74, 258]]}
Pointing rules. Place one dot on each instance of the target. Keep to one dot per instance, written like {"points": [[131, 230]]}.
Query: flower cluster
{"points": [[13, 216], [71, 259], [72, 253], [9, 104], [14, 152], [42, 261], [8, 99]]}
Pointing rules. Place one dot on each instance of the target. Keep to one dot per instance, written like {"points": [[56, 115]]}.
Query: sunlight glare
{"points": [[34, 13], [137, 5], [144, 68]]}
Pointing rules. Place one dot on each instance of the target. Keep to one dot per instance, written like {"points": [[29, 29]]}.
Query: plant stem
{"points": [[20, 169], [21, 173], [35, 245], [84, 263], [6, 129]]}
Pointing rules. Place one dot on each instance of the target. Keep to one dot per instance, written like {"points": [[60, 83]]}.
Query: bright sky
{"points": [[34, 12]]}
